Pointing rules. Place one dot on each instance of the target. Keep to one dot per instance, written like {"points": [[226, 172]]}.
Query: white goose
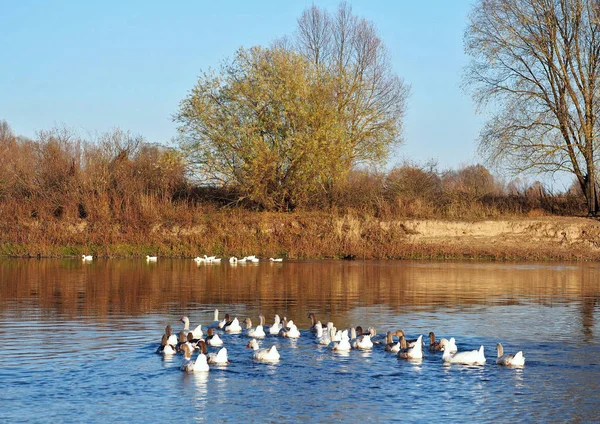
{"points": [[276, 327], [215, 323], [263, 355], [87, 258], [415, 352], [151, 258], [196, 332], [200, 364], [224, 322], [276, 259], [165, 348], [344, 344], [363, 342], [258, 332], [219, 358], [171, 338], [471, 357], [448, 345], [508, 360], [291, 331], [213, 339], [327, 335], [199, 260], [234, 327], [233, 260]]}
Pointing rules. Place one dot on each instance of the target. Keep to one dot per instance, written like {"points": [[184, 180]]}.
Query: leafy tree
{"points": [[282, 127]]}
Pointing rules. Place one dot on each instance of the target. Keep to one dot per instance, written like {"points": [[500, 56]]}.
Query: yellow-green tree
{"points": [[282, 126], [266, 126]]}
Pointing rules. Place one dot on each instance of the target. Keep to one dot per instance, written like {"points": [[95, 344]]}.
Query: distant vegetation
{"points": [[118, 178], [61, 195]]}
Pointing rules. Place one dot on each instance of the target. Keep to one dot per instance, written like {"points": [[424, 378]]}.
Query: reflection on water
{"points": [[80, 338]]}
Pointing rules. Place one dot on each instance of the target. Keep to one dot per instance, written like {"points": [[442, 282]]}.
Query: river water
{"points": [[79, 341]]}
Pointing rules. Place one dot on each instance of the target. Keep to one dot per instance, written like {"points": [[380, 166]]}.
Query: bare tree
{"points": [[536, 63], [371, 97]]}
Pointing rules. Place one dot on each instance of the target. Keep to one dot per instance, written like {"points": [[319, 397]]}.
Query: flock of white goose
{"points": [[202, 259], [189, 341]]}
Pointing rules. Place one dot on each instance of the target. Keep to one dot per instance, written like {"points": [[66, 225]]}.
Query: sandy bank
{"points": [[313, 235]]}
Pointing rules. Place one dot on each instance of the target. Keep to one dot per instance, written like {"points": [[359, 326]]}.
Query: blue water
{"points": [[79, 341]]}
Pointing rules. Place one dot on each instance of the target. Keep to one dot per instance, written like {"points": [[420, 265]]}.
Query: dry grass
{"points": [[117, 196]]}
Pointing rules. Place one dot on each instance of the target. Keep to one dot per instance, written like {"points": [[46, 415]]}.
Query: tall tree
{"points": [[284, 124], [371, 97], [536, 62]]}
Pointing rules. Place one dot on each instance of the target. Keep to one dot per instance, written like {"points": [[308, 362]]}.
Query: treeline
{"points": [[119, 178]]}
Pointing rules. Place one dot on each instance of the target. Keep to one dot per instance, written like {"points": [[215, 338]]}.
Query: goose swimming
{"points": [[165, 348], [234, 327], [213, 339], [276, 327], [344, 344], [258, 332], [215, 323], [189, 365], [219, 358], [415, 352], [508, 360], [471, 357], [263, 355]]}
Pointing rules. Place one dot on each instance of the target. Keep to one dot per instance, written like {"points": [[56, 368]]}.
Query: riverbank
{"points": [[311, 235]]}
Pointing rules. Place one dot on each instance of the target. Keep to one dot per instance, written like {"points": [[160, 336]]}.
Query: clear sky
{"points": [[93, 66]]}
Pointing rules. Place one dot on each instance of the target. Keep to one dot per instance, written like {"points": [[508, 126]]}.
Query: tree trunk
{"points": [[590, 192]]}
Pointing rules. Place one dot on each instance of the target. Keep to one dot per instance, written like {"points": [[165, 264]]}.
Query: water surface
{"points": [[79, 341]]}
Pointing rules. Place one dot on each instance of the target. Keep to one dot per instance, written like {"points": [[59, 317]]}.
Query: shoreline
{"points": [[313, 236]]}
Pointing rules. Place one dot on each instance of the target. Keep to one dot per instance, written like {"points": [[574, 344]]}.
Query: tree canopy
{"points": [[283, 124]]}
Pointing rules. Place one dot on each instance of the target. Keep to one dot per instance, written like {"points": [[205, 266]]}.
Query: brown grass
{"points": [[61, 195]]}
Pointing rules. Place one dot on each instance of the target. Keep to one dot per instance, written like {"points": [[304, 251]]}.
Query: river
{"points": [[79, 341]]}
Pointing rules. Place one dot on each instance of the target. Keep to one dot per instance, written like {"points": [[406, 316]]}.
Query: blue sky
{"points": [[93, 66]]}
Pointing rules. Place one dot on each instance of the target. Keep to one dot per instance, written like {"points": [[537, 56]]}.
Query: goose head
{"points": [[163, 341], [248, 323], [187, 351], [202, 346], [186, 322], [261, 318], [500, 349], [402, 342], [168, 331], [252, 344], [359, 330], [431, 338], [182, 338], [313, 319]]}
